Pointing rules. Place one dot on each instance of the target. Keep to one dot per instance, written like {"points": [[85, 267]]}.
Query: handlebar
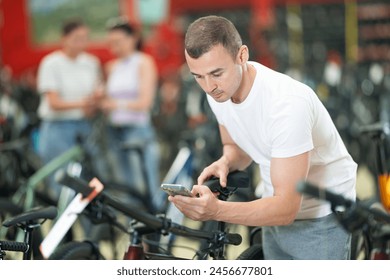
{"points": [[320, 193], [13, 246], [337, 200], [149, 220], [235, 180], [77, 184]]}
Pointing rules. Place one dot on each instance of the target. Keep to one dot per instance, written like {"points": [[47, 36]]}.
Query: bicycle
{"points": [[145, 223], [23, 199], [27, 185], [357, 216], [377, 132], [28, 222]]}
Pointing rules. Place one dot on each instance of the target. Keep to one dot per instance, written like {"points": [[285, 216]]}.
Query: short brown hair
{"points": [[209, 31], [70, 25]]}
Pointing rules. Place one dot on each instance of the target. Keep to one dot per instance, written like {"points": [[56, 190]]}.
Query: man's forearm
{"points": [[235, 158], [67, 105], [57, 103], [269, 211]]}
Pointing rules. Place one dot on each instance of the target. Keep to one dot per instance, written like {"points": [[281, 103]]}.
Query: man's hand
{"points": [[202, 206], [108, 104], [219, 169], [89, 106]]}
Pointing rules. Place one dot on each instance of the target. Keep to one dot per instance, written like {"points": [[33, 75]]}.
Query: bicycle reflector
{"points": [[384, 190]]}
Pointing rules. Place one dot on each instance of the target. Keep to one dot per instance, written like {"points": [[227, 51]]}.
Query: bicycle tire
{"points": [[254, 252], [76, 250]]}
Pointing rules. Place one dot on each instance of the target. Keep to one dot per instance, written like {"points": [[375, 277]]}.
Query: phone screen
{"points": [[176, 189]]}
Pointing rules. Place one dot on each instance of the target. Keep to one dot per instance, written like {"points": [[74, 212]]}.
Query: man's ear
{"points": [[243, 55]]}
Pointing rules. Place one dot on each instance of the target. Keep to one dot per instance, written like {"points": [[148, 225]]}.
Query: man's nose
{"points": [[210, 84]]}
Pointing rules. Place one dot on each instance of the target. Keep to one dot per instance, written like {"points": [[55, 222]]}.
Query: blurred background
{"points": [[340, 48]]}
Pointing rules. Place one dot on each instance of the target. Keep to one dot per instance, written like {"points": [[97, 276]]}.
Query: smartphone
{"points": [[176, 189]]}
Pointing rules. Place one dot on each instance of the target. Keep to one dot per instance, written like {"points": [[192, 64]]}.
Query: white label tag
{"points": [[67, 219]]}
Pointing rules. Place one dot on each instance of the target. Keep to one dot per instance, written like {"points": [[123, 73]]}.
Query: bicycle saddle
{"points": [[235, 180], [25, 218]]}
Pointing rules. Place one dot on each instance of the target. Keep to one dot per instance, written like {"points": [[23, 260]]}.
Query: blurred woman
{"points": [[69, 81], [131, 87]]}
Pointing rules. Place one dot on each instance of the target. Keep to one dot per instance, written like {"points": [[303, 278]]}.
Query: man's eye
{"points": [[217, 75], [197, 76]]}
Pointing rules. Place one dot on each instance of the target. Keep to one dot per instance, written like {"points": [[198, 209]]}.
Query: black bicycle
{"points": [[373, 223], [145, 224], [28, 222]]}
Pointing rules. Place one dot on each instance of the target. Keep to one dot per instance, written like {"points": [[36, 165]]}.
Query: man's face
{"points": [[77, 40], [217, 73]]}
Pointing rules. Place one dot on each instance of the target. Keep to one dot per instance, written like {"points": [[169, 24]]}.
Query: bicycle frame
{"points": [[136, 251], [155, 224]]}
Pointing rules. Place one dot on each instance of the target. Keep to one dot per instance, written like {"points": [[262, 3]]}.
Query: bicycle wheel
{"points": [[76, 251], [254, 252], [360, 246]]}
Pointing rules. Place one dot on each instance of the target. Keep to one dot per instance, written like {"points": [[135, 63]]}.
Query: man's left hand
{"points": [[202, 206]]}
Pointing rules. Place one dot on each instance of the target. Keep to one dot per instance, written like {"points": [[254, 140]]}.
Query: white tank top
{"points": [[123, 84]]}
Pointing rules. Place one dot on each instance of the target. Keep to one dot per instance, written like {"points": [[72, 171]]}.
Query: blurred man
{"points": [[68, 80], [267, 117]]}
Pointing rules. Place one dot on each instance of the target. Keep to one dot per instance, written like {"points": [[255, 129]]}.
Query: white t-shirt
{"points": [[281, 118], [72, 79]]}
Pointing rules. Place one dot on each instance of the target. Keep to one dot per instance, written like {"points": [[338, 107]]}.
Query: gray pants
{"points": [[314, 239]]}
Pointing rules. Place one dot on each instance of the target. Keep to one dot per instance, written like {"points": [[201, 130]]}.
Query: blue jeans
{"points": [[139, 170], [55, 137], [313, 239]]}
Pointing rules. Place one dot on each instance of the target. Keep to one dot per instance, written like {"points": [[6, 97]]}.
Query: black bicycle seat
{"points": [[25, 218], [235, 180]]}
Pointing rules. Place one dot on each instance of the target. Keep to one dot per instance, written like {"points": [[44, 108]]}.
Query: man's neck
{"points": [[248, 78], [70, 54]]}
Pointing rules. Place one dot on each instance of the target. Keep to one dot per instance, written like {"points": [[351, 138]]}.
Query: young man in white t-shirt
{"points": [[69, 81], [280, 124]]}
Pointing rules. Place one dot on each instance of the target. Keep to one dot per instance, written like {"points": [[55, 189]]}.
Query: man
{"points": [[279, 123], [68, 80]]}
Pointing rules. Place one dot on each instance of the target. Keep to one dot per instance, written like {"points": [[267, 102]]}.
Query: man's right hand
{"points": [[219, 169], [89, 106]]}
